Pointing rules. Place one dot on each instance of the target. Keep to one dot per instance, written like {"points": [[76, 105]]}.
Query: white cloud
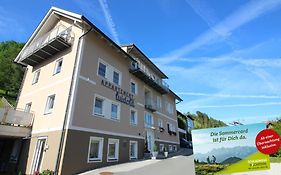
{"points": [[109, 20], [224, 29]]}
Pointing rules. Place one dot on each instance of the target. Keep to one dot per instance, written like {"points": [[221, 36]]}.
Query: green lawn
{"points": [[1, 104], [275, 159]]}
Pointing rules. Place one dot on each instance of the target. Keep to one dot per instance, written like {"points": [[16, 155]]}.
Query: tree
{"points": [[10, 73]]}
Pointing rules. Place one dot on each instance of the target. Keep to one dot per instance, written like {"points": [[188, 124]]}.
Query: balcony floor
{"points": [[51, 48], [14, 131]]}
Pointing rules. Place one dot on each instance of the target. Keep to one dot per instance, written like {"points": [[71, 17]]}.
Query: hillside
{"points": [[11, 74], [202, 120], [231, 160], [222, 153]]}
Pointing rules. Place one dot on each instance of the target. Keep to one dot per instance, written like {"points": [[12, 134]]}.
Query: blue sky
{"points": [[222, 57]]}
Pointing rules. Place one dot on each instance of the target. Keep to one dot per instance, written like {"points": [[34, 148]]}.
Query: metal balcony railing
{"points": [[150, 104], [50, 43], [142, 72], [9, 116]]}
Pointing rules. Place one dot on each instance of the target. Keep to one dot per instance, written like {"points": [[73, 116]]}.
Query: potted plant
{"points": [[166, 152], [155, 152]]}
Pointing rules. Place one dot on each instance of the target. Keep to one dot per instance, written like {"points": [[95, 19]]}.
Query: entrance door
{"points": [[150, 140], [38, 155]]}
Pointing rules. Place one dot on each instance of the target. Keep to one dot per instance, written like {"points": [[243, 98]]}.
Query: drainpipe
{"points": [[58, 161]]}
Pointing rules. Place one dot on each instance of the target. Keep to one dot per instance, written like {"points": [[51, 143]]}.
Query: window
{"points": [[148, 119], [159, 102], [133, 150], [174, 148], [169, 108], [115, 77], [98, 108], [58, 67], [27, 107], [95, 149], [160, 123], [171, 127], [170, 148], [50, 104], [161, 147], [133, 87], [133, 117], [36, 76], [114, 111], [113, 150], [102, 69]]}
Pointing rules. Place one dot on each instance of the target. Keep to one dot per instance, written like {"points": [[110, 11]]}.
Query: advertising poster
{"points": [[228, 150]]}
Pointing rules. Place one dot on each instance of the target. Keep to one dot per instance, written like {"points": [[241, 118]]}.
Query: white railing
{"points": [[59, 31], [144, 69], [15, 117]]}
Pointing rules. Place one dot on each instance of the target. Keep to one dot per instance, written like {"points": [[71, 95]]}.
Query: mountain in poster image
{"points": [[222, 154]]}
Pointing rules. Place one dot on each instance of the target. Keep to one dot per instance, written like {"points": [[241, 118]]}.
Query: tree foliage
{"points": [[10, 73], [202, 120]]}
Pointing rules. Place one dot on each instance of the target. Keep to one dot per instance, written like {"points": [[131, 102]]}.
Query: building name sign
{"points": [[121, 95]]}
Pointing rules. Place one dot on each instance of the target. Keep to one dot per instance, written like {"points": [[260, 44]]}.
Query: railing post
{"points": [[5, 115]]}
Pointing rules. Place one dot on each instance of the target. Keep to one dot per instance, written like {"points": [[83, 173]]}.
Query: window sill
{"points": [[94, 160], [112, 160], [47, 113], [133, 124], [98, 115]]}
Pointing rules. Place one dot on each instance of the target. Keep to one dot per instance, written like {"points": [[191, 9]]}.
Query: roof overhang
{"points": [[132, 48]]}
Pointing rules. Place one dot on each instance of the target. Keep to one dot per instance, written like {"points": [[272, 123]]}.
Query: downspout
{"points": [[58, 161]]}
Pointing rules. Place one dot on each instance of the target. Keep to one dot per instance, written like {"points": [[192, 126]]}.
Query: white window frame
{"points": [[170, 148], [118, 110], [56, 66], [136, 87], [160, 123], [175, 148], [136, 117], [161, 147], [100, 154], [106, 67], [28, 106], [136, 150], [152, 120], [102, 107], [116, 143], [109, 72], [119, 77], [36, 76], [159, 102], [50, 110]]}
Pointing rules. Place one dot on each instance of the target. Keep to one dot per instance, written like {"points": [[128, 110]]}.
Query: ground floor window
{"points": [[161, 147], [95, 149], [113, 150], [175, 148], [170, 148], [133, 149]]}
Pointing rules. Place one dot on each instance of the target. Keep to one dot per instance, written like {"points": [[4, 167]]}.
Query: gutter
{"points": [[58, 161]]}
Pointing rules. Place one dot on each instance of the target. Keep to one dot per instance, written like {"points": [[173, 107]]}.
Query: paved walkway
{"points": [[176, 165]]}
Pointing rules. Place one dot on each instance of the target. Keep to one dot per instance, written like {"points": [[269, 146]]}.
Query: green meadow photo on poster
{"points": [[227, 150]]}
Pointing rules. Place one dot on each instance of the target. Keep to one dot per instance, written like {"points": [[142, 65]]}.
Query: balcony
{"points": [[140, 71], [51, 43], [15, 123], [150, 104]]}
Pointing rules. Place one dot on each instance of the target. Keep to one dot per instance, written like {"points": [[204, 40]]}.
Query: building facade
{"points": [[95, 103]]}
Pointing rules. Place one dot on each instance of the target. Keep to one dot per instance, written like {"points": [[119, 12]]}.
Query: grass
{"points": [[1, 104], [275, 159], [11, 97]]}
